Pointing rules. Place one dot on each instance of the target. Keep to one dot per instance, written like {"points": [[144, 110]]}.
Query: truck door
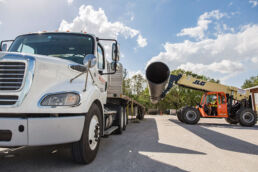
{"points": [[101, 79], [222, 104]]}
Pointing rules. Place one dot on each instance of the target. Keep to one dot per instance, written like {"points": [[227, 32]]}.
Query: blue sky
{"points": [[215, 38]]}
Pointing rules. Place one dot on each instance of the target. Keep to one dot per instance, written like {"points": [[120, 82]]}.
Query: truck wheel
{"points": [[231, 120], [125, 118], [85, 150], [140, 115], [179, 115], [190, 115], [119, 120], [247, 117]]}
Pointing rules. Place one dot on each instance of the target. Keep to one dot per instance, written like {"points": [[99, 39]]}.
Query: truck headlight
{"points": [[61, 99]]}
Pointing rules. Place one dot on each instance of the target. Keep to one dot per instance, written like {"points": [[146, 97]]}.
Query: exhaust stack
{"points": [[157, 74]]}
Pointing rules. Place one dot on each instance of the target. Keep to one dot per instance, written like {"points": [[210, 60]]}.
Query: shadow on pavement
{"points": [[220, 140], [117, 153], [228, 126]]}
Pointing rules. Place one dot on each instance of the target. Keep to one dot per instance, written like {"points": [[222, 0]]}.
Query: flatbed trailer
{"points": [[116, 98]]}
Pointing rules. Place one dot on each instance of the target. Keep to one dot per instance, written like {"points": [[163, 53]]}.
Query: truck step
{"points": [[109, 112], [110, 130]]}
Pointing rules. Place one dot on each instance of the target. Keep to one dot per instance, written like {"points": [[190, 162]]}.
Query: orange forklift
{"points": [[234, 105], [218, 101]]}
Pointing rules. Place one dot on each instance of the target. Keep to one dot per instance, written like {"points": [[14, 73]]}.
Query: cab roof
{"points": [[43, 32]]}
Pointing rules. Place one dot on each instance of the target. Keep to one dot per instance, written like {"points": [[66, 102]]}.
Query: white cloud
{"points": [[96, 22], [69, 2], [2, 1], [132, 73], [222, 57], [132, 18], [142, 42], [224, 67], [204, 20], [253, 2], [254, 59]]}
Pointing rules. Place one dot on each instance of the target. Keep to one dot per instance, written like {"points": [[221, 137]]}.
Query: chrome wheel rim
{"points": [[191, 115], [248, 117], [94, 132]]}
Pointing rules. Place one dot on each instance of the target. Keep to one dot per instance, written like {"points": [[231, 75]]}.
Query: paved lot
{"points": [[159, 143]]}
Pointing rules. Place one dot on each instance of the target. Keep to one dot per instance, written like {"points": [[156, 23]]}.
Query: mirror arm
{"points": [[109, 73], [100, 39]]}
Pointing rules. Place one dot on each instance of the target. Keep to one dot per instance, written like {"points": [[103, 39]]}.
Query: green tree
{"points": [[126, 84], [138, 83], [251, 82]]}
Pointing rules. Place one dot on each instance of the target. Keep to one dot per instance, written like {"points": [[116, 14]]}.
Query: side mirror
{"points": [[90, 60], [115, 52], [114, 66], [5, 45]]}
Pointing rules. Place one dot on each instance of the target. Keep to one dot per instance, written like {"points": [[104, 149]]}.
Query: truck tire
{"points": [[190, 115], [247, 117], [85, 150], [231, 120], [179, 115], [125, 118], [140, 115], [119, 120]]}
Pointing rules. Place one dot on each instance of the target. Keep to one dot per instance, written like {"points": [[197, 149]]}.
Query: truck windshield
{"points": [[67, 46]]}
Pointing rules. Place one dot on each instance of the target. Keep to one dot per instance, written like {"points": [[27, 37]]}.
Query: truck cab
{"points": [[53, 90]]}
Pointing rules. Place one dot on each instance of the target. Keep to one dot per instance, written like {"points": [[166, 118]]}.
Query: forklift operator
{"points": [[214, 106]]}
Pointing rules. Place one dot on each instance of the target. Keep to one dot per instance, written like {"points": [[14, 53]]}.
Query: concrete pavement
{"points": [[159, 143]]}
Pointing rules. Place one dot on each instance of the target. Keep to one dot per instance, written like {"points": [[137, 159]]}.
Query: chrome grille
{"points": [[11, 75]]}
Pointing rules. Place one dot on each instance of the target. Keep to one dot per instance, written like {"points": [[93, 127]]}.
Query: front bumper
{"points": [[41, 130]]}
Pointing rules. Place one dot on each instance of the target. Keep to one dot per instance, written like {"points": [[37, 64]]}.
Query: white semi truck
{"points": [[58, 87]]}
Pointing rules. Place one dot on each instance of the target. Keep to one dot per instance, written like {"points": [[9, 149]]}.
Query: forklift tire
{"points": [[247, 117], [231, 120], [179, 115], [190, 115], [85, 150]]}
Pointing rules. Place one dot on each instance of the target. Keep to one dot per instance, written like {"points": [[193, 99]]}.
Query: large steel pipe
{"points": [[157, 74]]}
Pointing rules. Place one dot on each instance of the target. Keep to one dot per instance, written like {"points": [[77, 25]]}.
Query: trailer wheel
{"points": [[247, 117], [119, 120], [190, 115], [231, 120], [125, 118], [85, 150], [140, 115], [179, 115]]}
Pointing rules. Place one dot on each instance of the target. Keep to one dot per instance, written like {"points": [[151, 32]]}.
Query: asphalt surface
{"points": [[158, 144]]}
